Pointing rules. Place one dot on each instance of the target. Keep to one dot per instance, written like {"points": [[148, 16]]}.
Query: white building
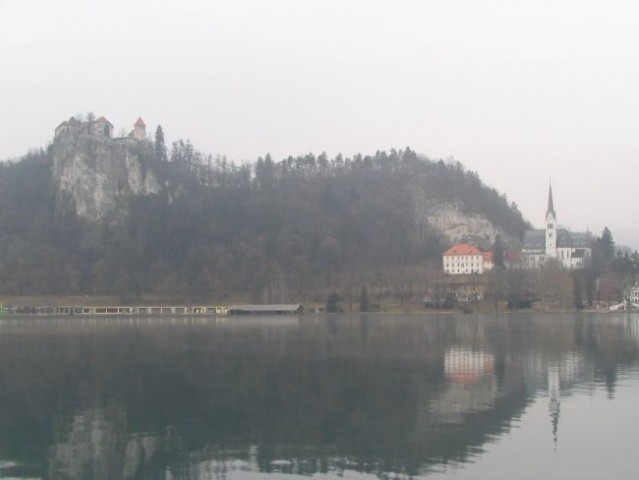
{"points": [[569, 248], [465, 259], [633, 295]]}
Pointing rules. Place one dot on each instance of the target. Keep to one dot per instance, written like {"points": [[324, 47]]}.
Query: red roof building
{"points": [[464, 258]]}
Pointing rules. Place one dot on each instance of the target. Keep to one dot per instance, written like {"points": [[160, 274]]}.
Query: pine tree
{"points": [[333, 304], [159, 146], [607, 244]]}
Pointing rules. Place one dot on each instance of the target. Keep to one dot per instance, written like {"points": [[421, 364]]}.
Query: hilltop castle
{"points": [[102, 127]]}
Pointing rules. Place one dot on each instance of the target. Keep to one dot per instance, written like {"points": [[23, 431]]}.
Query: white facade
{"points": [[463, 259], [634, 295]]}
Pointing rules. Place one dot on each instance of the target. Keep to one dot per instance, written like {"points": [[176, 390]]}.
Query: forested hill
{"points": [[274, 231]]}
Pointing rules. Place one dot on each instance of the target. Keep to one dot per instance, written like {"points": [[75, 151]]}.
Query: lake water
{"points": [[287, 398]]}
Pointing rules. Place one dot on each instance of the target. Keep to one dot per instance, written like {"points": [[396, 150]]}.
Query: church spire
{"points": [[551, 206]]}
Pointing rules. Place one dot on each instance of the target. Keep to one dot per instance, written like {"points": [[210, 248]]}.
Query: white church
{"points": [[571, 249]]}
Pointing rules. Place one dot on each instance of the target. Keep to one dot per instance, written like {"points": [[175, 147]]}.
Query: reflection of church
{"points": [[563, 372], [553, 400]]}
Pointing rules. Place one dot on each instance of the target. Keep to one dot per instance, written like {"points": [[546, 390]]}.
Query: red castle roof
{"points": [[140, 122]]}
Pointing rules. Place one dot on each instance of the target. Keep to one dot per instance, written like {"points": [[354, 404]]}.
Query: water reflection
{"points": [[228, 397]]}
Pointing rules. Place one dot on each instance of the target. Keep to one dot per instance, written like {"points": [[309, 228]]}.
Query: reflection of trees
{"points": [[381, 394]]}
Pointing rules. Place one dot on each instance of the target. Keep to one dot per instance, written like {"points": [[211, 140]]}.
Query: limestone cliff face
{"points": [[451, 219], [93, 173]]}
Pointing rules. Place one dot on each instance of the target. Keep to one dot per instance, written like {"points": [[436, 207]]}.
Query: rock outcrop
{"points": [[454, 221], [93, 173]]}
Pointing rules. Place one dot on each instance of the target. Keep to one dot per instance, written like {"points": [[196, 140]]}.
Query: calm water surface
{"points": [[378, 397]]}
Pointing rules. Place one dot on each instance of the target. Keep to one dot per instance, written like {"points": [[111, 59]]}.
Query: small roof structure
{"points": [[139, 122], [277, 309], [462, 249]]}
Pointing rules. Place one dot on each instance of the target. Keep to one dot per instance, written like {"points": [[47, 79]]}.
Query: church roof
{"points": [[462, 249], [535, 239], [566, 239], [139, 122]]}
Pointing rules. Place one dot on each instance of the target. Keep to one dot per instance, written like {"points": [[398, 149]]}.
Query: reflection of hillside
{"points": [[296, 395]]}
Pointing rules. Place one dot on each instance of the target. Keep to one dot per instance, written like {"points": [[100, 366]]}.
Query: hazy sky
{"points": [[519, 91]]}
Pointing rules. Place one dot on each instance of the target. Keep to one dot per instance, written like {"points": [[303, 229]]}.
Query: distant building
{"points": [[463, 259], [101, 127], [71, 125], [569, 248], [139, 130], [284, 309], [633, 295]]}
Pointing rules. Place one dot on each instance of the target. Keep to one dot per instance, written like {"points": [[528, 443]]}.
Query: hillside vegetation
{"points": [[274, 231]]}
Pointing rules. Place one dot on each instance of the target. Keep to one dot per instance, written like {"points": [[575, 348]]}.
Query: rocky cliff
{"points": [[94, 173], [458, 226], [454, 220]]}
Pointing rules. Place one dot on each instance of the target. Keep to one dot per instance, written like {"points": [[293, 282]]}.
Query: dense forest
{"points": [[272, 231]]}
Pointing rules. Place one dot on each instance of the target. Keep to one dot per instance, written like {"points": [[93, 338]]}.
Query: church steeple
{"points": [[551, 206]]}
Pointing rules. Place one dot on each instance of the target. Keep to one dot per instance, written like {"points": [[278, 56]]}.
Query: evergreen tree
{"points": [[607, 244], [158, 145], [333, 304]]}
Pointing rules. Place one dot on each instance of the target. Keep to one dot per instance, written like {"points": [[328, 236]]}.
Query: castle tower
{"points": [[139, 130], [551, 227]]}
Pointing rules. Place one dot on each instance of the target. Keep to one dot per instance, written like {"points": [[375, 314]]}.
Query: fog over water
{"points": [[518, 91]]}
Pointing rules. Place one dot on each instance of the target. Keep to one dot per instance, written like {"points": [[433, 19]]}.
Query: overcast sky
{"points": [[519, 91]]}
